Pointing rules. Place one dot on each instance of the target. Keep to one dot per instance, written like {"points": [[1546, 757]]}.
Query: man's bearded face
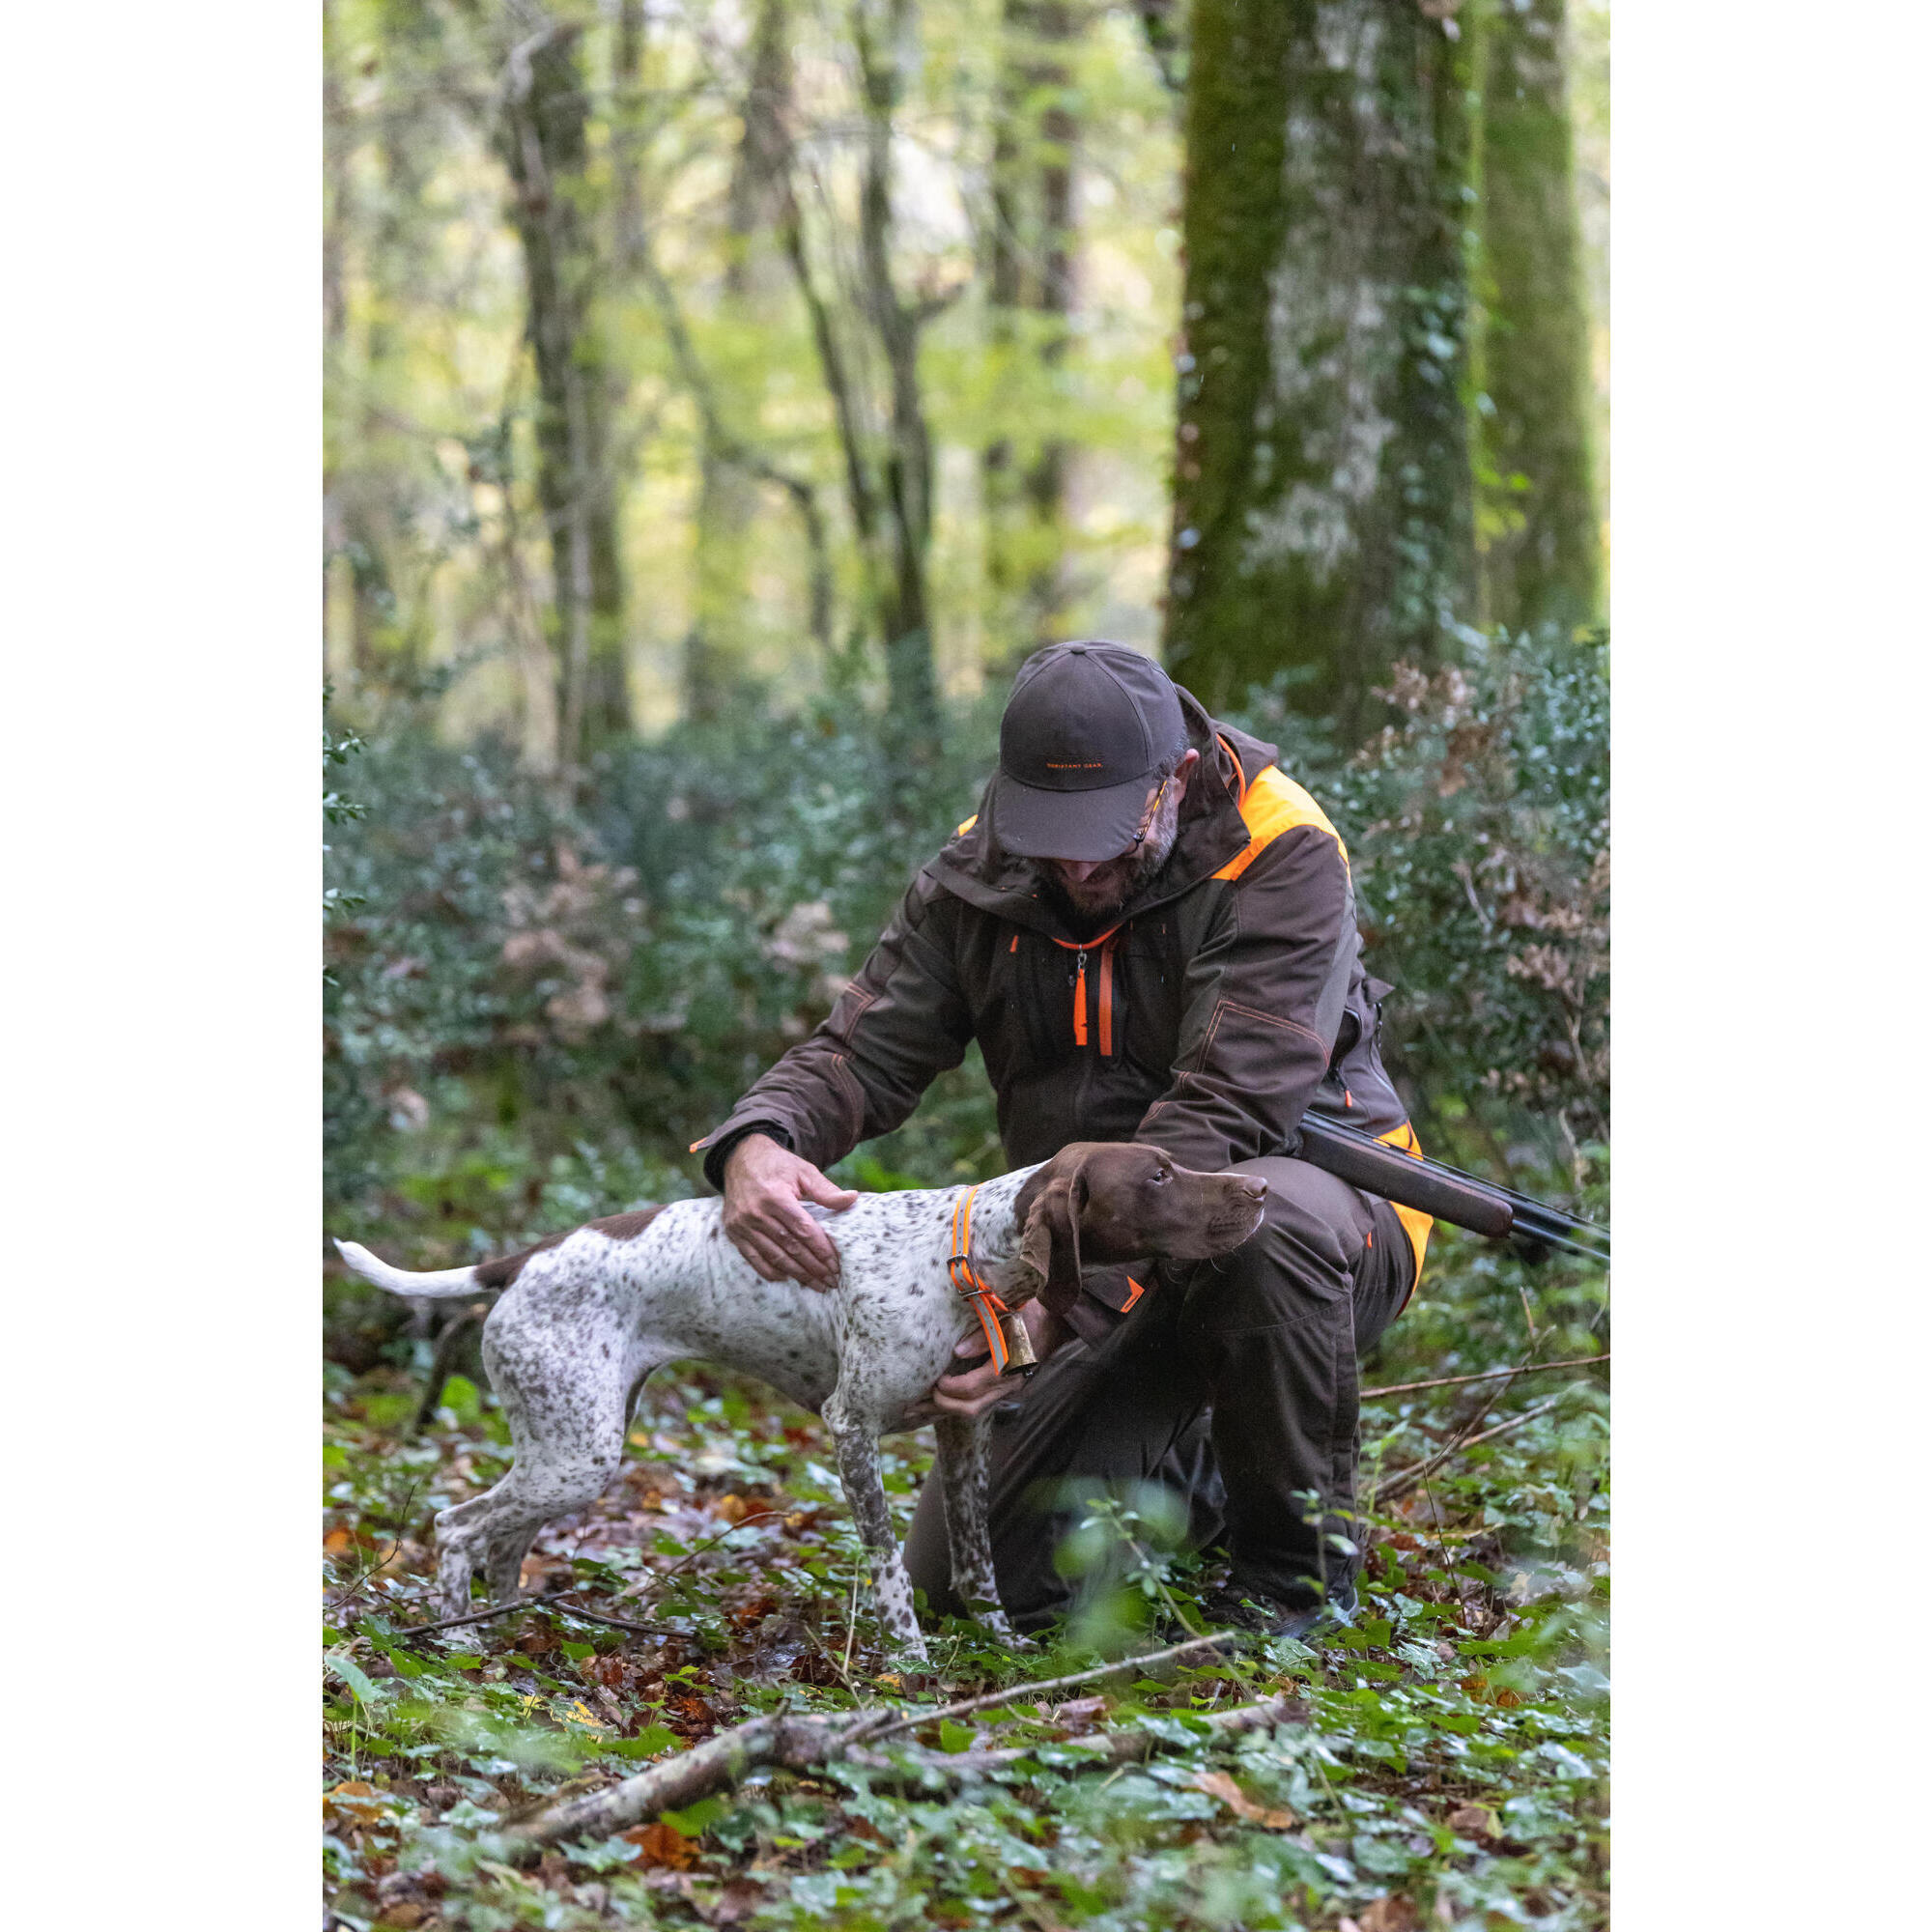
{"points": [[1106, 889]]}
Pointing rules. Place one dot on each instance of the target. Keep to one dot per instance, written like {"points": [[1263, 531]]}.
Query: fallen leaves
{"points": [[356, 1802], [1218, 1784], [688, 1714], [1476, 1821], [740, 1898], [1390, 1913], [770, 1623], [1080, 1714], [662, 1847]]}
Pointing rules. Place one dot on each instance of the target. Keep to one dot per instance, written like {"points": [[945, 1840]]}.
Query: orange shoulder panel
{"points": [[1274, 804], [959, 832], [1416, 1224]]}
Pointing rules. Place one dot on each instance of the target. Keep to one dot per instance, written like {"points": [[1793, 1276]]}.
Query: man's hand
{"points": [[765, 1188], [972, 1392]]}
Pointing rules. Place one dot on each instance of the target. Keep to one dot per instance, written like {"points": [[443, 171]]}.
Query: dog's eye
{"points": [[1160, 1177]]}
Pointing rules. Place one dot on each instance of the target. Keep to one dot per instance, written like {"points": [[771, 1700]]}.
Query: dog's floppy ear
{"points": [[1050, 1241]]}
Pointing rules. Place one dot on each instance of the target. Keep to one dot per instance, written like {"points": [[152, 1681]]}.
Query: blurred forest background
{"points": [[724, 395]]}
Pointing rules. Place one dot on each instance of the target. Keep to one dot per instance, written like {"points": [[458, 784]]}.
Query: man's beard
{"points": [[1107, 889]]}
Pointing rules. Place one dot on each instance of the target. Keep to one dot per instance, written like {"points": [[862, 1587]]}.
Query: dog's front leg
{"points": [[856, 1443], [962, 1480]]}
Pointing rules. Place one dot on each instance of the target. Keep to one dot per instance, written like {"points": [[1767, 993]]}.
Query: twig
{"points": [[362, 1578], [587, 1616], [1487, 1375], [1122, 1746], [906, 1721], [1523, 1295], [1415, 1471], [851, 1628], [537, 1604], [616, 1623], [697, 1549]]}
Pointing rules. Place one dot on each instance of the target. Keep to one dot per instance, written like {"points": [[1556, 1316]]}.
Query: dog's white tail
{"points": [[399, 1281]]}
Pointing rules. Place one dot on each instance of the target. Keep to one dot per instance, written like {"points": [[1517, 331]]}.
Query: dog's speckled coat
{"points": [[585, 1319]]}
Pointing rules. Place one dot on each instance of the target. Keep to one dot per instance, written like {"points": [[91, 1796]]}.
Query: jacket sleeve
{"points": [[1264, 1000], [900, 1023]]}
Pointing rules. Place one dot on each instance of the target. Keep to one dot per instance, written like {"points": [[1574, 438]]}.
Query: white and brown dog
{"points": [[588, 1316]]}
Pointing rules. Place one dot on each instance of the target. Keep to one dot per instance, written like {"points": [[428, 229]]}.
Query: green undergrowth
{"points": [[1448, 1771]]}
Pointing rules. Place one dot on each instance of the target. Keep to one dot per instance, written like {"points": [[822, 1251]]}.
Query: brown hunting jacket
{"points": [[1229, 996]]}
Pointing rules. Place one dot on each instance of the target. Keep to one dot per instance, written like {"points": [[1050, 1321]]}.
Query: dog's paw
{"points": [[994, 1623]]}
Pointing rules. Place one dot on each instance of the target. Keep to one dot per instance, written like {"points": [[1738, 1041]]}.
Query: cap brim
{"points": [[1086, 827]]}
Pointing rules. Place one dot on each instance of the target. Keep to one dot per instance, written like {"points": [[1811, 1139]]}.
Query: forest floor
{"points": [[1445, 1765]]}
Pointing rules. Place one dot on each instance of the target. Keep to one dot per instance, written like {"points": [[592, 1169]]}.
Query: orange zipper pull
{"points": [[1080, 998]]}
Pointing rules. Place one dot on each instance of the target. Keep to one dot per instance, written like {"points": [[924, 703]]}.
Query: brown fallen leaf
{"points": [[1218, 1784], [662, 1847], [1476, 1821], [1079, 1712], [338, 1541], [357, 1799], [1390, 1914], [409, 1915], [740, 1898]]}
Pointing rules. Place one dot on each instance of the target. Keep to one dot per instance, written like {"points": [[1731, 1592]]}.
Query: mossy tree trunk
{"points": [[1321, 497], [1537, 528], [543, 137]]}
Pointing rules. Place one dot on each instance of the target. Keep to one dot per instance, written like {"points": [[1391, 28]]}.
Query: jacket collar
{"points": [[1213, 832]]}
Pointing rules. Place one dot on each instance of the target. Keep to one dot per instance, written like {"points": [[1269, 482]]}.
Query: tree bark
{"points": [[1536, 527], [911, 687], [718, 649], [627, 194], [544, 139], [339, 186], [1032, 276], [1323, 518], [884, 439]]}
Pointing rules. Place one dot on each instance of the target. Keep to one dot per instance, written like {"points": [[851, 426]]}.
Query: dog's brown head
{"points": [[1119, 1201]]}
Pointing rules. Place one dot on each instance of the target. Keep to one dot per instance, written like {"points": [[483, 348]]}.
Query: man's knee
{"points": [[1298, 1265]]}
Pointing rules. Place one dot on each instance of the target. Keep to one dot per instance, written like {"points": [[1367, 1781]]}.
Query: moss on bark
{"points": [[1536, 527], [1322, 499]]}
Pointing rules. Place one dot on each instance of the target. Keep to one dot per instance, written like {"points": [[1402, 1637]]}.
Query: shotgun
{"points": [[1533, 1228]]}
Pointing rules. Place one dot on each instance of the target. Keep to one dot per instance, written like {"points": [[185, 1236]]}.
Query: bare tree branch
{"points": [[802, 1744]]}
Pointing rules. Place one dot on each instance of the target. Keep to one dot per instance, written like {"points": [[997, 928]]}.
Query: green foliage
{"points": [[1478, 831], [539, 1005], [1451, 1756]]}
